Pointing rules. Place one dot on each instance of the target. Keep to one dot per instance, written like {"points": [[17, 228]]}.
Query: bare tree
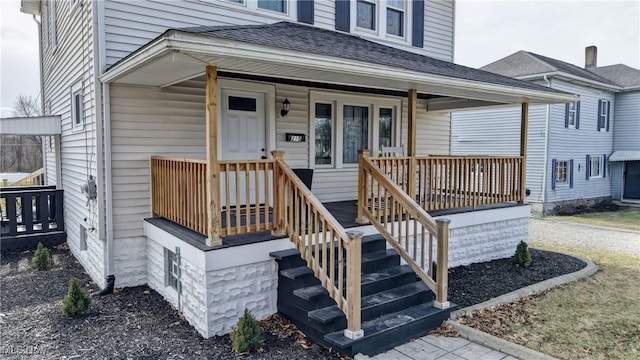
{"points": [[22, 153]]}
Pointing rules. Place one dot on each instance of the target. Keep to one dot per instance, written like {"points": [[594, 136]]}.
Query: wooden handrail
{"points": [[323, 243], [405, 225], [36, 178]]}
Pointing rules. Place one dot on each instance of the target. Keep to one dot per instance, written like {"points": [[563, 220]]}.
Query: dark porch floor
{"points": [[344, 211]]}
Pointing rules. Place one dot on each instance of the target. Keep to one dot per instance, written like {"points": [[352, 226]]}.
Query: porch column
{"points": [[411, 148], [524, 125], [57, 148], [213, 170]]}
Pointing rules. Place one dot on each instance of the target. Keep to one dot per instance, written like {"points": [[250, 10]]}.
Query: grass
{"points": [[623, 219], [594, 318]]}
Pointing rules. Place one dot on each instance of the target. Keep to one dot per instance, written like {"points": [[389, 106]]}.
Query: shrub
{"points": [[41, 258], [523, 255], [76, 302], [246, 335]]}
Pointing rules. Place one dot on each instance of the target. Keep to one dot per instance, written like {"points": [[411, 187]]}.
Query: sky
{"points": [[485, 31]]}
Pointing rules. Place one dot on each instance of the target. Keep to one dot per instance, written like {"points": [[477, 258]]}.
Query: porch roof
{"points": [[301, 52], [35, 125]]}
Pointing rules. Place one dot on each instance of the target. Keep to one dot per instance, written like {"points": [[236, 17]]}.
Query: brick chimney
{"points": [[590, 57]]}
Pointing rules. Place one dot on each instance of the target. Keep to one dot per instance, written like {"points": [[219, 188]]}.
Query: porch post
{"points": [[354, 267], [411, 149], [278, 222], [362, 187], [213, 170], [442, 263], [524, 125]]}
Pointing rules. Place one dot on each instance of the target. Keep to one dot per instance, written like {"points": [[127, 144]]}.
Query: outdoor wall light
{"points": [[286, 105]]}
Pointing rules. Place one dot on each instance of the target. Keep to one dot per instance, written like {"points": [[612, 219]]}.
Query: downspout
{"points": [[44, 145], [103, 157], [546, 150]]}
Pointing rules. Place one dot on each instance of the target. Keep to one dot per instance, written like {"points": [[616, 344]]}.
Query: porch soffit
{"points": [[40, 125], [177, 56]]}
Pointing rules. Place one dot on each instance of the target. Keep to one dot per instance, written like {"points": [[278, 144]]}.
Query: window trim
{"points": [[251, 7], [76, 90], [338, 100], [381, 22], [566, 173], [573, 104], [603, 114], [600, 159]]}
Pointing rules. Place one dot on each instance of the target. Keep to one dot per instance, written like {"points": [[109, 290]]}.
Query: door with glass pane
{"points": [[242, 137]]}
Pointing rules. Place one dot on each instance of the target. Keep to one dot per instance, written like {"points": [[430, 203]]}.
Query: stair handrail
{"points": [[389, 202], [298, 214]]}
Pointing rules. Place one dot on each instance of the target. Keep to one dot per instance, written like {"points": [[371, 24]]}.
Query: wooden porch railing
{"points": [[36, 178], [328, 249], [405, 225], [178, 191], [446, 182]]}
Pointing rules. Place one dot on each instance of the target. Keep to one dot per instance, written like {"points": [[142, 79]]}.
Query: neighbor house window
{"points": [[562, 172], [572, 115], [395, 17], [323, 134], [171, 269], [273, 5], [603, 115], [595, 166], [366, 14], [77, 106]]}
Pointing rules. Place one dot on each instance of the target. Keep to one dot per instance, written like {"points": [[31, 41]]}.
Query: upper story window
{"points": [[603, 115], [385, 18], [395, 17], [272, 5], [572, 115]]}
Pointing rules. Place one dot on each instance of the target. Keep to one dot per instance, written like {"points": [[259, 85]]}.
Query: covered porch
{"points": [[392, 98]]}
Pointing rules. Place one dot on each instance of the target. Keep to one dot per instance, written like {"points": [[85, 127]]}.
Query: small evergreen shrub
{"points": [[246, 335], [76, 302], [523, 255], [41, 258]]}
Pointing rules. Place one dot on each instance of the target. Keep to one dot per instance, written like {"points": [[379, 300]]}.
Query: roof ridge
{"points": [[537, 58], [575, 67]]}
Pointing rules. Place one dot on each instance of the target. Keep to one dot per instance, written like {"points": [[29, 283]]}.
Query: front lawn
{"points": [[594, 318], [622, 219]]}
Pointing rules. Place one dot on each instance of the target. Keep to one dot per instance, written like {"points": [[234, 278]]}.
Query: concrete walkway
{"points": [[433, 347], [585, 236]]}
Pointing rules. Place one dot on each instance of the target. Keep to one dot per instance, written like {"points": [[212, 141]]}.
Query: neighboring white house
{"points": [[585, 151], [215, 86]]}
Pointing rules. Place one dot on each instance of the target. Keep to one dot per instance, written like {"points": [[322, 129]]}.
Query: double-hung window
{"points": [[383, 18], [595, 166], [572, 115], [603, 115], [279, 6], [562, 172], [344, 124]]}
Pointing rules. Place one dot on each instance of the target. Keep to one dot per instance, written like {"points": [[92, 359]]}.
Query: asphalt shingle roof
{"points": [[620, 74], [323, 42]]}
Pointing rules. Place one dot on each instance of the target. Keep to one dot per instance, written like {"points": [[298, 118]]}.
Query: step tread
{"points": [[279, 255], [314, 291], [296, 272], [386, 323], [375, 255], [330, 313]]}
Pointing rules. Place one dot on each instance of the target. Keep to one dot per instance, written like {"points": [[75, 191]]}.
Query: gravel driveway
{"points": [[585, 236]]}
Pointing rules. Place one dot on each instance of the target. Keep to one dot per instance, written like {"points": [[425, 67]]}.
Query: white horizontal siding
{"points": [[439, 29], [496, 131], [626, 130], [566, 144], [69, 63], [129, 25]]}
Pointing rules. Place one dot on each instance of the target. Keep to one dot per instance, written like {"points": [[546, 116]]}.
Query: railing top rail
{"points": [[468, 157], [414, 209], [29, 177], [28, 189], [197, 161], [258, 161], [313, 200]]}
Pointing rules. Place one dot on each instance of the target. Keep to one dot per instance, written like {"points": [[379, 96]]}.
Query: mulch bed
{"points": [[137, 323]]}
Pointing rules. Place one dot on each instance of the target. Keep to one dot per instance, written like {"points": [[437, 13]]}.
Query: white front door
{"points": [[242, 137]]}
